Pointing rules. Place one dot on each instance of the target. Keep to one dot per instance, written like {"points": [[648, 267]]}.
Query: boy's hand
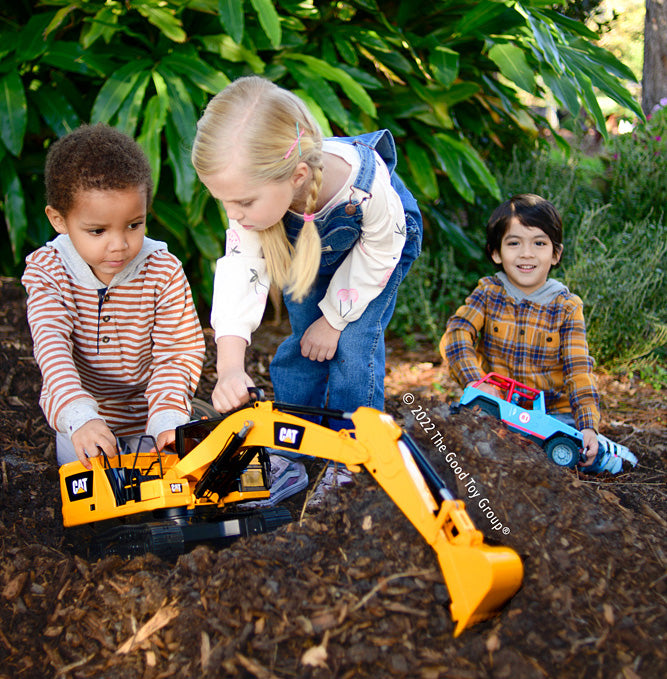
{"points": [[487, 389], [91, 439], [231, 390], [590, 446], [320, 341]]}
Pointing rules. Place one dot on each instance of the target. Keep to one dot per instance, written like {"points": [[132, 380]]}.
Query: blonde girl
{"points": [[328, 221]]}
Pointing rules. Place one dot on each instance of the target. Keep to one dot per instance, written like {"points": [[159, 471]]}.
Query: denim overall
{"points": [[354, 377]]}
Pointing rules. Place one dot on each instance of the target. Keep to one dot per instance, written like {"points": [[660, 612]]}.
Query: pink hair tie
{"points": [[308, 218]]}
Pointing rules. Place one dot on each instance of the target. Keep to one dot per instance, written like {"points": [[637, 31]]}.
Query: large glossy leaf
{"points": [[163, 19], [591, 102], [181, 108], [74, 58], [268, 20], [130, 111], [155, 118], [114, 91], [224, 46], [353, 90], [13, 112], [31, 43], [102, 25], [231, 18], [13, 206], [321, 92], [563, 89], [451, 161], [178, 151], [55, 109], [198, 71], [421, 169], [511, 60], [455, 234], [445, 65]]}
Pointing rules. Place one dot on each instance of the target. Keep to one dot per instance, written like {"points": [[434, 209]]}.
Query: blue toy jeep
{"points": [[522, 409]]}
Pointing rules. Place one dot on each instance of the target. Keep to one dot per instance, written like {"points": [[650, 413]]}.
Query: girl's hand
{"points": [[91, 439], [590, 446], [165, 438], [231, 390], [320, 341]]}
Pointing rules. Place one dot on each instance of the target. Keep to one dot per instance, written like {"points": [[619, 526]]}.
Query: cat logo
{"points": [[288, 435], [176, 487], [80, 486]]}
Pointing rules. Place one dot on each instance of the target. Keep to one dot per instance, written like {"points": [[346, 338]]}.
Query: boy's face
{"points": [[526, 255], [107, 228]]}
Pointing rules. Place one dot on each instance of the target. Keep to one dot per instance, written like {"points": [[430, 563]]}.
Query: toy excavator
{"points": [[166, 503]]}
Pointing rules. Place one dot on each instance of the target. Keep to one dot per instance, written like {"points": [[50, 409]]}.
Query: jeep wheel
{"points": [[563, 451], [485, 406]]}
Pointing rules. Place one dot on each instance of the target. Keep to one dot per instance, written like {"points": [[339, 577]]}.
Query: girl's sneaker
{"points": [[335, 475], [288, 477]]}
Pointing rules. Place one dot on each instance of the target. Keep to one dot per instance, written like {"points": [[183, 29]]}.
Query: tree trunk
{"points": [[654, 77]]}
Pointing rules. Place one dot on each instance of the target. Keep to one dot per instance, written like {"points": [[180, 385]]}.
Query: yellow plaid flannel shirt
{"points": [[541, 345]]}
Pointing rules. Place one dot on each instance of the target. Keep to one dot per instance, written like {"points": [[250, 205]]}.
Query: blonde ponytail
{"points": [[308, 250]]}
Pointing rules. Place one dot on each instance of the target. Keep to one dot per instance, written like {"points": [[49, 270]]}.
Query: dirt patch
{"points": [[351, 590]]}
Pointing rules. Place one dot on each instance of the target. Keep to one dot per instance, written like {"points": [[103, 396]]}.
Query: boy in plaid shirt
{"points": [[522, 324]]}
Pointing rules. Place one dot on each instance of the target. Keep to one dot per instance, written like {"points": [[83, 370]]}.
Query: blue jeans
{"points": [[354, 377]]}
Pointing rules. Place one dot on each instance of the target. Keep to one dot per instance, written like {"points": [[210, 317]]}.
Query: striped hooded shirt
{"points": [[129, 352], [539, 340]]}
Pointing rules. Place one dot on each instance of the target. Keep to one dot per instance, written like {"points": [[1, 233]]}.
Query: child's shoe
{"points": [[288, 477], [335, 475]]}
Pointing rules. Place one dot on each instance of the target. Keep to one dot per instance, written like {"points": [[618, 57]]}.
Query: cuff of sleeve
{"points": [[75, 414], [334, 319], [164, 421], [587, 418], [221, 331]]}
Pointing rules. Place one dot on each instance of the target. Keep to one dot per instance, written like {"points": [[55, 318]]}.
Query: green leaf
{"points": [[317, 112], [72, 57], [114, 91], [164, 20], [511, 60], [353, 90], [13, 112], [268, 20], [181, 108], [13, 206], [591, 102], [230, 51], [445, 65], [458, 238], [451, 161], [103, 25], [321, 92], [231, 18], [155, 118], [31, 42], [129, 112], [198, 71], [181, 165], [173, 218], [55, 109], [562, 88], [421, 169]]}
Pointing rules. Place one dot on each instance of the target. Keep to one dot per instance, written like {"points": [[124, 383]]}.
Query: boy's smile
{"points": [[107, 228], [526, 255]]}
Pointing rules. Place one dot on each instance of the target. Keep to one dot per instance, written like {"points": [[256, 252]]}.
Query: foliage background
{"points": [[449, 79]]}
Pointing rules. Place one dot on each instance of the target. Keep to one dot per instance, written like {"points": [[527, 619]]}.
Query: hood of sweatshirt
{"points": [[79, 270], [547, 293]]}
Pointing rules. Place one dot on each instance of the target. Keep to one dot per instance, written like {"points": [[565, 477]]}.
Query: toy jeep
{"points": [[523, 410]]}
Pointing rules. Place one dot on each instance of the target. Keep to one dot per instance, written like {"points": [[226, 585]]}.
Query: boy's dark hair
{"points": [[530, 210], [94, 157]]}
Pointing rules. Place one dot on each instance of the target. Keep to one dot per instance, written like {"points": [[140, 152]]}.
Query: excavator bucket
{"points": [[480, 578]]}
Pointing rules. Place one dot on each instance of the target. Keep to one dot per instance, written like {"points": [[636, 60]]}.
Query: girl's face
{"points": [[255, 206], [526, 255], [107, 228]]}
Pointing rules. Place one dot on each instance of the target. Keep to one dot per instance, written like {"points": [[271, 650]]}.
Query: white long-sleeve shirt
{"points": [[130, 353], [242, 282]]}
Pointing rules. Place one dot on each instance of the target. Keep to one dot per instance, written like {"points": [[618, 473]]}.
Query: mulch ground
{"points": [[348, 589]]}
